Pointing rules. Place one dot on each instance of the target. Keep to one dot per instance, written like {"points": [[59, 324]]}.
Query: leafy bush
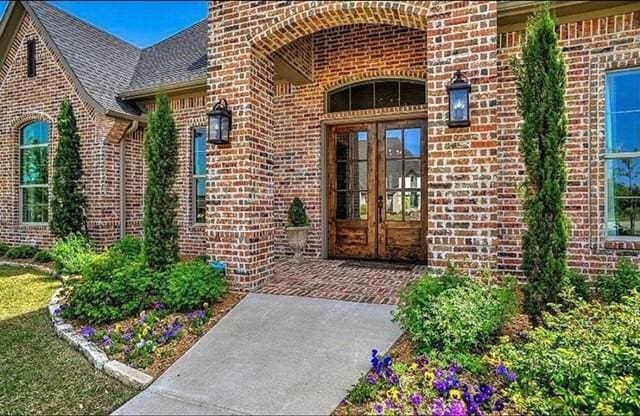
{"points": [[611, 288], [363, 392], [22, 252], [189, 284], [129, 246], [72, 254], [583, 361], [111, 289], [297, 214], [580, 286], [4, 248], [452, 314], [42, 256]]}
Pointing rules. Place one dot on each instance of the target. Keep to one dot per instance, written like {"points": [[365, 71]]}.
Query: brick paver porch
{"points": [[354, 281]]}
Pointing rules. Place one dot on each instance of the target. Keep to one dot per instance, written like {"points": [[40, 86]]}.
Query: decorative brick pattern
{"points": [[591, 47], [332, 279]]}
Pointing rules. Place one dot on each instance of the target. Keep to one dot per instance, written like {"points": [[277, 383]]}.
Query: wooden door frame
{"points": [[325, 124]]}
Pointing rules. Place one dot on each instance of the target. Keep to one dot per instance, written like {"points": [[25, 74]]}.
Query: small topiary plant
{"points": [[297, 214]]}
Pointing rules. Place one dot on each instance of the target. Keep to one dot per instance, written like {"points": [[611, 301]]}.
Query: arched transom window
{"points": [[34, 177], [379, 93]]}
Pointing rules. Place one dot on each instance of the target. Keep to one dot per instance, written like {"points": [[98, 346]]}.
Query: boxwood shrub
{"points": [[189, 284]]}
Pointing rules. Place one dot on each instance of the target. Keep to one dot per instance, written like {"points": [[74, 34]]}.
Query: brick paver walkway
{"points": [[366, 282]]}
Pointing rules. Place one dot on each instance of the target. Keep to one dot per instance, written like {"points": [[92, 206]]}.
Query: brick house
{"points": [[344, 104]]}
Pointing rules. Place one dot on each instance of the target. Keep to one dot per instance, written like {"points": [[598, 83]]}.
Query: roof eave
{"points": [[5, 43], [175, 87]]}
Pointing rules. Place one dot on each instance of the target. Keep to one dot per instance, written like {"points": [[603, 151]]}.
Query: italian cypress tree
{"points": [[160, 245], [67, 200], [541, 80]]}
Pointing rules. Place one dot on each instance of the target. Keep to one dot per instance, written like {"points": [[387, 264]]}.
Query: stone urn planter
{"points": [[297, 228]]}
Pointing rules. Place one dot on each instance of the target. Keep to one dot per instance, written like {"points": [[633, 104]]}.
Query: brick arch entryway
{"points": [[247, 40]]}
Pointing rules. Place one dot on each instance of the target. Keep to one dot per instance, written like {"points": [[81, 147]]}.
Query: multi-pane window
{"points": [[352, 175], [403, 174], [199, 157], [376, 94], [622, 153], [34, 164]]}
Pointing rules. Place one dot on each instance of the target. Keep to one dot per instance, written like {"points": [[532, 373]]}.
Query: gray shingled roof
{"points": [[106, 66], [180, 58]]}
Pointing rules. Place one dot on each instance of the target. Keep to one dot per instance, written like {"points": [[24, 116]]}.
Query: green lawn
{"points": [[40, 374]]}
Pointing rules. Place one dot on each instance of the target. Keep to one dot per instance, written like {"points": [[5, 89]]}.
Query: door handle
{"points": [[380, 205]]}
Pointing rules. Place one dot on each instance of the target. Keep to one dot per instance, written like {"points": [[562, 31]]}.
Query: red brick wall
{"points": [[590, 47], [25, 99]]}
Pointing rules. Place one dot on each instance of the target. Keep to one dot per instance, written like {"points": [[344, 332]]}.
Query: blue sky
{"points": [[141, 23]]}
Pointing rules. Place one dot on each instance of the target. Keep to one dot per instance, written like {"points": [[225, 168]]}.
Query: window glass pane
{"points": [[387, 94], [394, 206], [412, 142], [35, 133], [623, 92], [362, 96], [394, 143], [412, 93], [412, 175], [201, 206], [458, 105], [33, 165], [623, 131], [412, 203], [35, 204], [394, 174], [623, 196], [200, 151], [339, 100]]}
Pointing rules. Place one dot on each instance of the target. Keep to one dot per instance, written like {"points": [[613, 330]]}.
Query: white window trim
{"points": [[613, 156], [24, 186]]}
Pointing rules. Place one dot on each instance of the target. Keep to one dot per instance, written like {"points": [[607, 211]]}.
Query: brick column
{"points": [[240, 225]]}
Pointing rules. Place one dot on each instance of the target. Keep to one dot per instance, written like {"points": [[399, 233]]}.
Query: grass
{"points": [[41, 374]]}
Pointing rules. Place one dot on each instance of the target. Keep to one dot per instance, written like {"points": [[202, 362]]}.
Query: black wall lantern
{"points": [[219, 123], [459, 90]]}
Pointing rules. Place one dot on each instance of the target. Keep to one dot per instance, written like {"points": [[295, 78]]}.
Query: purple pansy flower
{"points": [[88, 331], [456, 408], [378, 408], [437, 408], [416, 399], [504, 372], [498, 405], [372, 378]]}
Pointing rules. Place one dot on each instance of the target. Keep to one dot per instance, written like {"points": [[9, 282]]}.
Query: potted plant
{"points": [[297, 228]]}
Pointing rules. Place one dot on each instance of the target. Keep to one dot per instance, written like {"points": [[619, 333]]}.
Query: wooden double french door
{"points": [[376, 190]]}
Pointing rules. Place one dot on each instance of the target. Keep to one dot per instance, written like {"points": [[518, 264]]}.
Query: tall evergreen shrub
{"points": [[541, 80], [160, 245], [67, 200]]}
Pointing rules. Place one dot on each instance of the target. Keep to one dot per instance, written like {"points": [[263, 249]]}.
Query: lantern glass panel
{"points": [[224, 128], [214, 127], [458, 104]]}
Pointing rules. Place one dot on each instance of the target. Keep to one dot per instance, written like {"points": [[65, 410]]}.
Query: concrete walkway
{"points": [[272, 355]]}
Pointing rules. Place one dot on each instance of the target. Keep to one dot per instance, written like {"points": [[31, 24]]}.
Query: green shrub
{"points": [[363, 391], [580, 286], [129, 246], [190, 284], [583, 361], [72, 254], [112, 289], [451, 313], [42, 256], [611, 288], [297, 214], [416, 301], [4, 248], [22, 252]]}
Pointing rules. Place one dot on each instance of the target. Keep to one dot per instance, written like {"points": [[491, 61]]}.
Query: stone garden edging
{"points": [[94, 354]]}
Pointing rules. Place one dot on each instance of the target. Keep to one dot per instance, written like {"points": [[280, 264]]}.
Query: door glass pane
{"points": [[412, 203], [393, 143], [342, 175], [394, 174], [339, 101], [362, 137], [361, 182], [363, 207], [387, 94], [342, 146], [394, 206], [412, 93], [341, 205], [412, 142], [362, 96], [412, 177]]}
